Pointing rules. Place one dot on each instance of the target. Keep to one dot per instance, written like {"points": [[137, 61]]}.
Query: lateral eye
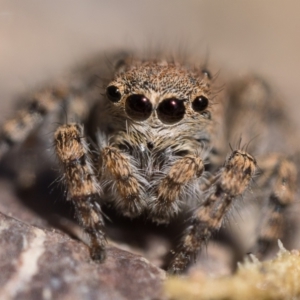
{"points": [[138, 107], [113, 93], [200, 103], [171, 110], [206, 73]]}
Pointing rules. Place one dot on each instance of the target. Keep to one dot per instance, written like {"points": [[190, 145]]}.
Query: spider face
{"points": [[164, 93]]}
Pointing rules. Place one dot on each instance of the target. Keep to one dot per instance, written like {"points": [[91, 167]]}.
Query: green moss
{"points": [[274, 279]]}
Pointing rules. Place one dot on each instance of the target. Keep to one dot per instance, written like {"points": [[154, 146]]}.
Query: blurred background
{"points": [[40, 39]]}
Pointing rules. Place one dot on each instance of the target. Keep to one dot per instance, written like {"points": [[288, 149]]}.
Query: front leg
{"points": [[175, 186], [232, 181], [83, 187]]}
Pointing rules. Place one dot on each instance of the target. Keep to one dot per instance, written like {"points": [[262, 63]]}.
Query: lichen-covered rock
{"points": [[276, 279]]}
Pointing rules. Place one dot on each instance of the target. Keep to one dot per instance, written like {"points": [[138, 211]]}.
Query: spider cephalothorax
{"points": [[148, 103]]}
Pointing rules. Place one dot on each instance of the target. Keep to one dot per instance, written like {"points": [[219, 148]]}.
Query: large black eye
{"points": [[113, 93], [200, 103], [138, 107], [171, 110]]}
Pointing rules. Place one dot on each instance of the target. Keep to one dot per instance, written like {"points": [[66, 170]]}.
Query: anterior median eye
{"points": [[113, 93], [200, 103], [138, 107], [171, 110]]}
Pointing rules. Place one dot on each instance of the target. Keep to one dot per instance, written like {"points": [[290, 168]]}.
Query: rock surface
{"points": [[43, 263]]}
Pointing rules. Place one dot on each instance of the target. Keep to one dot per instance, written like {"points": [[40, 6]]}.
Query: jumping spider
{"points": [[155, 144]]}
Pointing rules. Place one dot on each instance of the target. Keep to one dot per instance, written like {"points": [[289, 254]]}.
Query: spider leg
{"points": [[15, 130], [124, 180], [258, 115], [281, 174], [83, 187], [232, 181], [31, 125], [173, 186]]}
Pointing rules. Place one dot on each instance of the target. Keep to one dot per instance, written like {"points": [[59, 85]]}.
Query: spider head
{"points": [[162, 92]]}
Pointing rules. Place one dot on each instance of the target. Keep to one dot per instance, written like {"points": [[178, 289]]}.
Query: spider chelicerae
{"points": [[151, 138]]}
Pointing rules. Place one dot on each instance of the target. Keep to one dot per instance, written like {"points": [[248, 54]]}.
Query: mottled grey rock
{"points": [[44, 263]]}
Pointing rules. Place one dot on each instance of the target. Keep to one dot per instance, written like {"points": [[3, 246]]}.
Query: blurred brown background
{"points": [[38, 39]]}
